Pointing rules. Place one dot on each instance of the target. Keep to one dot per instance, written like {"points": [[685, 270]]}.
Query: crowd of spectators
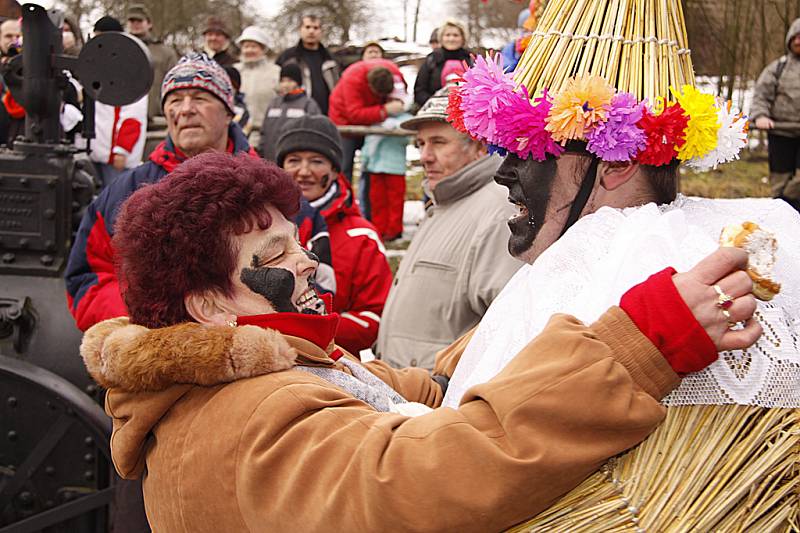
{"points": [[235, 94], [232, 94]]}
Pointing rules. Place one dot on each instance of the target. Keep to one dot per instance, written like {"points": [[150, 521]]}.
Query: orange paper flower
{"points": [[578, 107]]}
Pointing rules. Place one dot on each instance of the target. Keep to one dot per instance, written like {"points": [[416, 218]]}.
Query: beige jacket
{"points": [[455, 267], [259, 85], [288, 451]]}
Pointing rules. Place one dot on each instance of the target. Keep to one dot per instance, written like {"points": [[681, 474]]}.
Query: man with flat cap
{"points": [[458, 260]]}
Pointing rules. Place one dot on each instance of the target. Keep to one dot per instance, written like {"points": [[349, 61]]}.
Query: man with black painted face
{"points": [[551, 195], [306, 422]]}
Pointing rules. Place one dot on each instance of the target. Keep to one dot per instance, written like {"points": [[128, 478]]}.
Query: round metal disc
{"points": [[115, 68]]}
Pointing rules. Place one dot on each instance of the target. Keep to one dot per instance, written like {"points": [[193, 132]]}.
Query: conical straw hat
{"points": [[638, 46], [616, 74]]}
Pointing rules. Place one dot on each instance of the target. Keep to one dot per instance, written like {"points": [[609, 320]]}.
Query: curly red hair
{"points": [[172, 238]]}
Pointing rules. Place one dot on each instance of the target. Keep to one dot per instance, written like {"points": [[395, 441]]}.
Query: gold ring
{"points": [[726, 314], [724, 301]]}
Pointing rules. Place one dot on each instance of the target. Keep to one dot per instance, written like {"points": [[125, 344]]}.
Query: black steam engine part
{"points": [[55, 472]]}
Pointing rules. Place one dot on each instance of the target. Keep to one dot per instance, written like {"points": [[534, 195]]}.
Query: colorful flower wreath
{"points": [[696, 128]]}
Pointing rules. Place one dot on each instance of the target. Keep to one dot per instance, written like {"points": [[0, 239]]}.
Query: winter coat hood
{"points": [[794, 29], [118, 354]]}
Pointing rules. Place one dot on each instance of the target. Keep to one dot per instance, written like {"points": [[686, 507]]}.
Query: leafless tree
{"points": [[416, 21], [735, 39], [178, 22], [496, 16], [342, 19]]}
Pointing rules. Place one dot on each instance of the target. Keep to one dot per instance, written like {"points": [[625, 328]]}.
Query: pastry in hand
{"points": [[761, 247]]}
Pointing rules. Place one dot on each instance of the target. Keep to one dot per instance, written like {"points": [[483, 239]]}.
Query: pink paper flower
{"points": [[486, 91], [521, 128]]}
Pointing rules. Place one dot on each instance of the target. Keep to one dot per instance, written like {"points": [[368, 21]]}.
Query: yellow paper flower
{"points": [[580, 105], [701, 132]]}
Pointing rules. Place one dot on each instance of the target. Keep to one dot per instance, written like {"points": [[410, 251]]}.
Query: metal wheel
{"points": [[55, 462]]}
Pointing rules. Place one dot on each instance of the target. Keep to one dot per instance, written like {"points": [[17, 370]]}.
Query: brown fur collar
{"points": [[133, 358]]}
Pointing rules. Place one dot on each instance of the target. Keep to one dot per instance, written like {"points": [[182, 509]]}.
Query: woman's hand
{"points": [[725, 269]]}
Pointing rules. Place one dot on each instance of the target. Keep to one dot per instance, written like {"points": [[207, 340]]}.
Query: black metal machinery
{"points": [[55, 470]]}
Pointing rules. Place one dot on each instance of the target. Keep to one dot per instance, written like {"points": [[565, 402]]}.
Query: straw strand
{"points": [[638, 46]]}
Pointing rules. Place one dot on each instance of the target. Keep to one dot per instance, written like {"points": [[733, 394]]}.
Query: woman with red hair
{"points": [[246, 416]]}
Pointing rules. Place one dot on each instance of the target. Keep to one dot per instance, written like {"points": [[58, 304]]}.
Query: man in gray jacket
{"points": [[777, 99], [458, 261]]}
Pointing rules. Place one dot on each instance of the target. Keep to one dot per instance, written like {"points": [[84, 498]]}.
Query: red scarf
{"points": [[169, 161], [319, 329]]}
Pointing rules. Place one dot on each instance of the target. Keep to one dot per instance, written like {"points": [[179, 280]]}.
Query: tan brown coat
{"points": [[288, 451]]}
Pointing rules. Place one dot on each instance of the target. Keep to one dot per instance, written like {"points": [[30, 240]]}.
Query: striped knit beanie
{"points": [[198, 71]]}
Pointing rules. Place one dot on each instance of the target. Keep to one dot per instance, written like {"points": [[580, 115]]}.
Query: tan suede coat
{"points": [[287, 451]]}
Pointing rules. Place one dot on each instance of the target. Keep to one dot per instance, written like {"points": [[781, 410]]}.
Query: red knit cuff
{"points": [[657, 309]]}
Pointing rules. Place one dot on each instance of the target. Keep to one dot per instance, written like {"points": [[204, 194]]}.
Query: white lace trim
{"points": [[606, 253]]}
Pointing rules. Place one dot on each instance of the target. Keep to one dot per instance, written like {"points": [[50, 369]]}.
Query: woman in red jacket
{"points": [[363, 97], [310, 149]]}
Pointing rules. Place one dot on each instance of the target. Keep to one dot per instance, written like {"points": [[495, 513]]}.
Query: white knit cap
{"points": [[255, 34]]}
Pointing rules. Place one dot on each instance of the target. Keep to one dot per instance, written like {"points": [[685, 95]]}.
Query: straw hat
{"points": [[616, 74], [639, 47]]}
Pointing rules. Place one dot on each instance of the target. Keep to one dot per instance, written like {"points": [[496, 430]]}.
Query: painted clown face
{"points": [[273, 273], [544, 192]]}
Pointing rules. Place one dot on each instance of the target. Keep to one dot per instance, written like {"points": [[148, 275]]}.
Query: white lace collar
{"points": [[606, 253]]}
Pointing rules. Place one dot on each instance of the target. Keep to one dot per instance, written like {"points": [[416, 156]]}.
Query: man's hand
{"points": [[764, 123], [724, 268], [393, 107], [119, 161]]}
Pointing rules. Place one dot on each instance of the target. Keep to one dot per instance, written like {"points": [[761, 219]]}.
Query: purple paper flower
{"points": [[619, 138], [521, 127], [486, 91]]}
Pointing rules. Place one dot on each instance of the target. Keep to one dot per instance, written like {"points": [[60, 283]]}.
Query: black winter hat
{"points": [[313, 133], [107, 24], [292, 70]]}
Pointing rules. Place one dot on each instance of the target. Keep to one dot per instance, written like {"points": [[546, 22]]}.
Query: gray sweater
{"points": [[456, 265]]}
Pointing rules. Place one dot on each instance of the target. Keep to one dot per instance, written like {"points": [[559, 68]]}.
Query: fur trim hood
{"points": [[121, 355]]}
